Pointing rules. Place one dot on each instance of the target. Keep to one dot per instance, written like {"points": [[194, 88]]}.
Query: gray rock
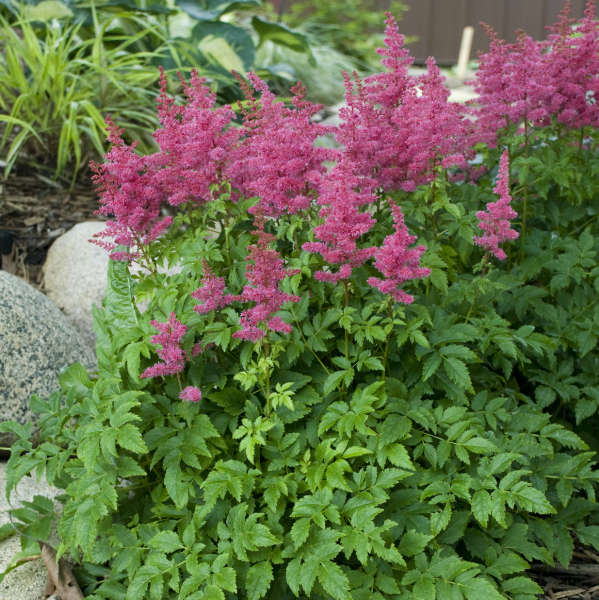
{"points": [[75, 275], [36, 343], [26, 582]]}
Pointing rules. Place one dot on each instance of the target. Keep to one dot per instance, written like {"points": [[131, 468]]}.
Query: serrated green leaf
{"points": [[481, 506], [589, 535], [412, 542], [430, 366], [333, 580], [129, 437], [300, 531], [292, 575], [480, 445], [332, 381], [457, 372], [212, 592], [521, 585], [258, 580], [479, 588], [166, 541]]}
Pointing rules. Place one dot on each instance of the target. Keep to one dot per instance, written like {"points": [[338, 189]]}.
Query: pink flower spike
{"points": [[397, 262], [264, 271], [211, 293], [173, 357], [191, 393], [495, 221]]}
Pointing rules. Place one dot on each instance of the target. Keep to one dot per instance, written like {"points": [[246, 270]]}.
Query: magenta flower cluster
{"points": [[397, 132], [173, 357], [264, 272], [532, 83], [396, 261], [495, 221], [397, 128], [276, 158]]}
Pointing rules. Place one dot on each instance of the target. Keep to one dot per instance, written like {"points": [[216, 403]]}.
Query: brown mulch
{"points": [[580, 581], [35, 212], [38, 211]]}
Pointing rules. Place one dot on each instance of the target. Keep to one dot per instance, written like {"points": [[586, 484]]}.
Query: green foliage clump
{"points": [[377, 451], [65, 66], [351, 27], [56, 87]]}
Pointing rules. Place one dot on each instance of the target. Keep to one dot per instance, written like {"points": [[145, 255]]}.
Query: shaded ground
{"points": [[35, 213], [580, 581]]}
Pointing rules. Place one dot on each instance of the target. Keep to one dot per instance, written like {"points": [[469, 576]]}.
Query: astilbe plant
{"points": [[533, 83], [328, 399]]}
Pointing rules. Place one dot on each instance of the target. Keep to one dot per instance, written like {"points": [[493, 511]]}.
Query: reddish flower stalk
{"points": [[264, 272], [495, 221], [211, 293], [396, 261], [173, 357], [344, 224], [129, 193]]}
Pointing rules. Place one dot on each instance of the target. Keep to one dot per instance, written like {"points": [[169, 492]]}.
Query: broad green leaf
{"points": [[210, 10], [282, 35], [207, 34]]}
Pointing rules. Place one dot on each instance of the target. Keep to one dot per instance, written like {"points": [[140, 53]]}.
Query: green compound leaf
{"points": [[333, 580], [258, 580]]}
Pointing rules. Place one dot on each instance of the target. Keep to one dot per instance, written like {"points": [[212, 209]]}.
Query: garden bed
{"points": [[35, 214]]}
